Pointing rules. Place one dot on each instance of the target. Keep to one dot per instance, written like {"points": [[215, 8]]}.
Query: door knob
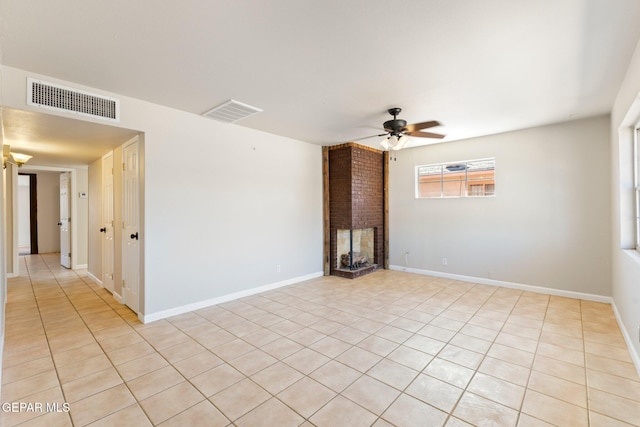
{"points": [[135, 235], [103, 230], [59, 223]]}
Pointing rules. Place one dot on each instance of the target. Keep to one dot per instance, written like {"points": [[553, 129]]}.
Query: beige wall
{"points": [[242, 192], [547, 226]]}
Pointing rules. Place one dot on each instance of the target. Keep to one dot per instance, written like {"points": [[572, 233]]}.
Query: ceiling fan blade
{"points": [[425, 135], [424, 125], [367, 137]]}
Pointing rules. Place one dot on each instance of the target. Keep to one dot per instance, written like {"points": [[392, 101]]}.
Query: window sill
{"points": [[633, 254]]}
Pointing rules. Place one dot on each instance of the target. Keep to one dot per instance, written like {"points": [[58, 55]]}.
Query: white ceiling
{"points": [[326, 71]]}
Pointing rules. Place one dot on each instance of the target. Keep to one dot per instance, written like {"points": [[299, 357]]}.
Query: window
{"points": [[470, 178]]}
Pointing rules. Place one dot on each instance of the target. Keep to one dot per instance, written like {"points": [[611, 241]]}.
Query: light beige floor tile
{"points": [[216, 379], [436, 393], [557, 368], [271, 413], [101, 405], [511, 355], [335, 375], [614, 406], [130, 352], [406, 410], [552, 410], [182, 351], [330, 347], [410, 357], [397, 322], [306, 396], [203, 414], [195, 365], [277, 377], [622, 387], [477, 410], [130, 416], [570, 392], [461, 356], [281, 348], [392, 373], [449, 372], [141, 366], [306, 360], [359, 359], [252, 362], [342, 411], [371, 394], [239, 398], [154, 382], [599, 420], [611, 366], [27, 369], [16, 390], [91, 384], [500, 391], [170, 402]]}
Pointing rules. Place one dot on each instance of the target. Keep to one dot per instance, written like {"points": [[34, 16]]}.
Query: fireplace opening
{"points": [[355, 249]]}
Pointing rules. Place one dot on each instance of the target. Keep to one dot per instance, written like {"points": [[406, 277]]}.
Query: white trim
{"points": [[512, 285], [118, 298], [81, 267], [95, 279], [225, 298], [627, 338], [12, 276]]}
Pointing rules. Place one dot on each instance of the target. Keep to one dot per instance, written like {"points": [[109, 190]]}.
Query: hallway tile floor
{"points": [[390, 348]]}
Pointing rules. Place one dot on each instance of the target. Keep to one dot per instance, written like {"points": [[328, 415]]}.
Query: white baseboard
{"points": [[12, 275], [117, 297], [511, 285], [80, 267], [146, 318], [627, 338], [95, 279]]}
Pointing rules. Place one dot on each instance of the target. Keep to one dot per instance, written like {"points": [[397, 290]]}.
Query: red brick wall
{"points": [[356, 194]]}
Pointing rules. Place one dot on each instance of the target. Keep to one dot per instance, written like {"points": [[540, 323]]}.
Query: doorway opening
{"points": [[27, 214]]}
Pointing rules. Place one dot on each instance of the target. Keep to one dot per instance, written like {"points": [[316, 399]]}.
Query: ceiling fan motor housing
{"points": [[395, 125]]}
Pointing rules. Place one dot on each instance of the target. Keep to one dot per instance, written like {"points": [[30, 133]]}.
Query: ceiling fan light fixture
{"points": [[385, 143], [402, 142]]}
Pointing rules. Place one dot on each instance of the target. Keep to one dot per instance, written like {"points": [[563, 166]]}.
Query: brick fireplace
{"points": [[355, 203]]}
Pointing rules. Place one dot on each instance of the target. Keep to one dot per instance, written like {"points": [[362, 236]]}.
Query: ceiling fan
{"points": [[398, 131]]}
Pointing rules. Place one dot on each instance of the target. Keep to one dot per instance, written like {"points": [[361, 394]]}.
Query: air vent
{"points": [[231, 111], [60, 98]]}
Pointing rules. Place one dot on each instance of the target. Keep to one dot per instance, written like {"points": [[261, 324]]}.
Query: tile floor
{"points": [[389, 348]]}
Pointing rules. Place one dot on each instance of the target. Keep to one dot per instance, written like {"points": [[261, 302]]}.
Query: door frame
{"points": [[73, 209], [33, 211], [141, 240]]}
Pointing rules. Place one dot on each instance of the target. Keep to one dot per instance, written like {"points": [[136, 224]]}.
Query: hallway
{"points": [[390, 348]]}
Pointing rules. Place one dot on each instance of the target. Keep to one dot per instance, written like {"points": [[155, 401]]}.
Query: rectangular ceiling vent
{"points": [[61, 98], [231, 111]]}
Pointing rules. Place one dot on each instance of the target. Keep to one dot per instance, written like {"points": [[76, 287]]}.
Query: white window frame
{"points": [[466, 180]]}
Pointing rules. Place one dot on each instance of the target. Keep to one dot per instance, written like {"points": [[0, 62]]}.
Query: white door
{"points": [[65, 219], [131, 225], [108, 248]]}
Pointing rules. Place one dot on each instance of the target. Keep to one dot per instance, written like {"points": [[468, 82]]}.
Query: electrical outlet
{"points": [[444, 261]]}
